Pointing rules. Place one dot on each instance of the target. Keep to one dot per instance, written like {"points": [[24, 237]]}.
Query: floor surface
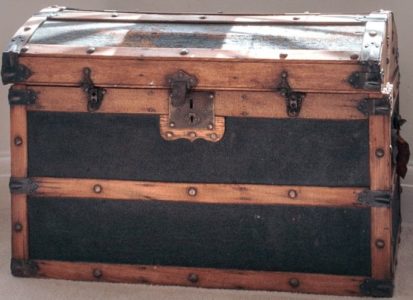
{"points": [[18, 288]]}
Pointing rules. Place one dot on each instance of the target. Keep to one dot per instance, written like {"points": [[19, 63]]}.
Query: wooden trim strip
{"points": [[195, 192], [211, 75], [381, 243], [296, 19], [380, 153], [207, 278], [19, 163], [227, 103], [318, 56]]}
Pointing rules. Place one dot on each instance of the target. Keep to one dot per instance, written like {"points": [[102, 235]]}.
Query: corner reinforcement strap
{"points": [[375, 198]]}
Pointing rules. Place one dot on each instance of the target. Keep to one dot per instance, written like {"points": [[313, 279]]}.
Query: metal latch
{"points": [[191, 113], [22, 186], [294, 100], [94, 94], [380, 106], [375, 198]]}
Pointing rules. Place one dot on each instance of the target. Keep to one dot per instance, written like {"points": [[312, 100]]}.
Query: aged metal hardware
{"points": [[375, 198], [94, 94], [375, 106], [22, 186], [192, 277], [369, 78], [11, 70], [293, 99], [181, 84], [377, 288], [23, 268], [22, 96]]}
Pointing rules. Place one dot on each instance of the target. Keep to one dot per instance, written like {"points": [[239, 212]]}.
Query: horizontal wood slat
{"points": [[319, 56], [208, 278], [211, 75], [202, 193], [227, 103]]}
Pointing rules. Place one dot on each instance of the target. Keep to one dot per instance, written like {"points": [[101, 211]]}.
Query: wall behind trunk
{"points": [[14, 12]]}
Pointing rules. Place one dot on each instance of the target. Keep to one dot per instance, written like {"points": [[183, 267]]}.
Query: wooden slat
{"points": [[327, 56], [211, 74], [380, 140], [207, 278], [381, 243], [299, 19], [204, 193], [18, 143], [19, 227], [227, 103]]}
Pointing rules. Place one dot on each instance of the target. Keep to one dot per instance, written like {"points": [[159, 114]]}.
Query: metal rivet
{"points": [[192, 277], [172, 124], [24, 49], [210, 126], [380, 153], [373, 33], [97, 273], [90, 50], [18, 141], [192, 134], [380, 244], [184, 52], [213, 136], [114, 15], [97, 188], [27, 28], [192, 191], [354, 56], [18, 227], [296, 18], [294, 282], [211, 96], [169, 134], [283, 55], [202, 17], [292, 194]]}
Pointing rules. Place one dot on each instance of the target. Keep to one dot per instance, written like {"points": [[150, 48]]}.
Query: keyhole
{"points": [[191, 103], [191, 119]]}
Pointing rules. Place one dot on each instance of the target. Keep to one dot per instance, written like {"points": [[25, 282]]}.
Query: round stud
{"points": [[18, 141], [202, 17], [184, 52], [210, 126], [380, 152], [354, 56], [90, 50], [18, 227], [373, 33], [192, 277], [213, 136], [27, 28], [294, 282], [283, 55], [172, 124], [97, 188], [380, 244], [192, 134], [97, 273], [114, 15], [169, 134], [296, 18], [192, 191], [24, 49], [292, 194], [211, 96]]}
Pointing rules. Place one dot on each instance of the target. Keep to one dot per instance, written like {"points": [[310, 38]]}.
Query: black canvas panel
{"points": [[245, 237], [261, 151]]}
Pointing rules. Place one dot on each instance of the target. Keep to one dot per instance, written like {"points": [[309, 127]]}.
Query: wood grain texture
{"points": [[19, 225], [327, 56], [227, 103], [380, 164], [381, 243], [212, 75], [204, 193], [214, 135], [18, 141], [207, 278]]}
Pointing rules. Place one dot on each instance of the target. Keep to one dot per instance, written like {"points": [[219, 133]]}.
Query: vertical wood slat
{"points": [[381, 180], [19, 163]]}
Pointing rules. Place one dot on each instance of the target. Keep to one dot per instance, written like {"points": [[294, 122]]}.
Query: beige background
{"points": [[13, 13]]}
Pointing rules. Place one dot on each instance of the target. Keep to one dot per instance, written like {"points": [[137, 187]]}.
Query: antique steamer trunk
{"points": [[219, 151]]}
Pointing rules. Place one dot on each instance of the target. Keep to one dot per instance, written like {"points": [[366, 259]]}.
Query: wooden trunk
{"points": [[220, 151]]}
